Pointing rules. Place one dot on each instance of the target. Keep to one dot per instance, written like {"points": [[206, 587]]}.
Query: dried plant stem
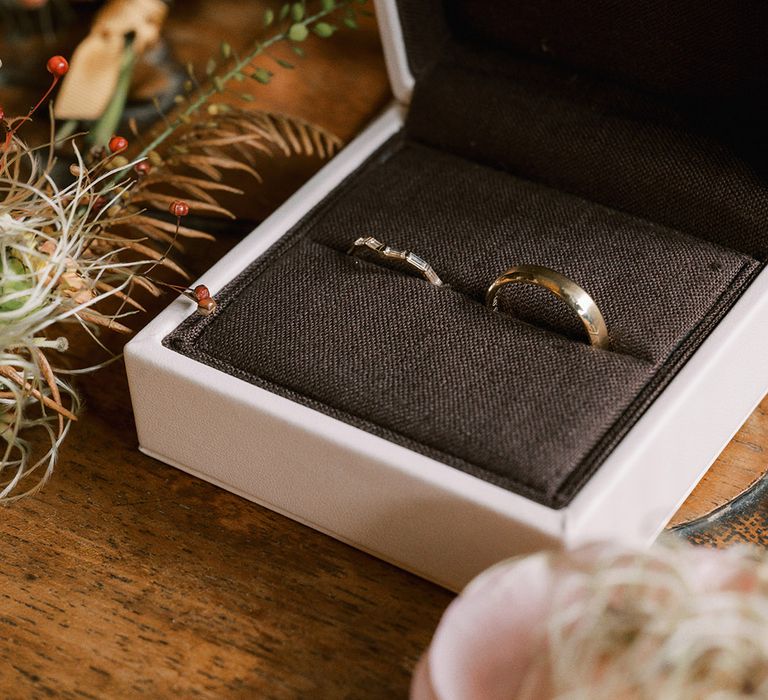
{"points": [[237, 69], [16, 378]]}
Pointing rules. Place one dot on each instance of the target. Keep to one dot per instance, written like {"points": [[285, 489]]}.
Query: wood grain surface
{"points": [[741, 466], [128, 578]]}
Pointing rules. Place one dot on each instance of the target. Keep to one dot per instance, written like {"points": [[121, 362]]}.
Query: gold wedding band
{"points": [[413, 262], [561, 286]]}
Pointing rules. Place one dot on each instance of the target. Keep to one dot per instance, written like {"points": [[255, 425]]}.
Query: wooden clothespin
{"points": [[95, 64]]}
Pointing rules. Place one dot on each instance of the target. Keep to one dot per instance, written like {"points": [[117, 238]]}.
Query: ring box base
{"points": [[403, 505]]}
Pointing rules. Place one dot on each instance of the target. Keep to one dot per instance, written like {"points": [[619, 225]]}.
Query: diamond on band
{"points": [[416, 262]]}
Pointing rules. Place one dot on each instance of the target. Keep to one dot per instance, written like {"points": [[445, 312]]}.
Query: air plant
{"points": [[606, 621], [75, 254], [59, 264]]}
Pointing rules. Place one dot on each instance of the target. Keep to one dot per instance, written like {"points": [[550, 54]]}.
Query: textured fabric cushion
{"points": [[619, 143], [519, 405]]}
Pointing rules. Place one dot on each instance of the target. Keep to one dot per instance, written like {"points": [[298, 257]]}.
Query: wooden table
{"points": [[127, 578]]}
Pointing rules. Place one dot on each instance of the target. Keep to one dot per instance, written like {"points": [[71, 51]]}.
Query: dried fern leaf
{"points": [[171, 227], [158, 235], [152, 254], [212, 162], [147, 285], [103, 286], [162, 201], [301, 134], [100, 320], [225, 141], [216, 186]]}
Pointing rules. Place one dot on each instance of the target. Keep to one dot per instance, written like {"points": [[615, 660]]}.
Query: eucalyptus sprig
{"points": [[295, 26]]}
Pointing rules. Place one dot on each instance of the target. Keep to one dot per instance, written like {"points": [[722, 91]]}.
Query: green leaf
{"points": [[269, 17], [283, 63], [324, 30], [226, 49], [210, 67], [9, 286], [350, 22], [298, 50], [297, 12], [328, 5], [247, 97], [218, 108], [284, 10], [239, 77], [218, 83], [298, 32], [262, 75]]}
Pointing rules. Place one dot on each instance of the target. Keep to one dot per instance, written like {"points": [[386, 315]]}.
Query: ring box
{"points": [[620, 145]]}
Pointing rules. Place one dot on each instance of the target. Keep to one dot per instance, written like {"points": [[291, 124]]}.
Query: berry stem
{"points": [[58, 67]]}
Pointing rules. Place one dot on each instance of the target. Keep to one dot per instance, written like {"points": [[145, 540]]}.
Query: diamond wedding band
{"points": [[414, 262]]}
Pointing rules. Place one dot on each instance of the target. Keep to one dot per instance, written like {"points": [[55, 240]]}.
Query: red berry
{"points": [[57, 66], [206, 307], [143, 167], [201, 292], [117, 144], [179, 208]]}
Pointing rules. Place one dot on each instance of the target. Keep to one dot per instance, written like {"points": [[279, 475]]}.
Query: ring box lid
{"points": [[395, 54], [648, 109], [715, 50]]}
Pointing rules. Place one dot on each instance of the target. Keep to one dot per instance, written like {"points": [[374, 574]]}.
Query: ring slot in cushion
{"points": [[432, 368], [471, 222]]}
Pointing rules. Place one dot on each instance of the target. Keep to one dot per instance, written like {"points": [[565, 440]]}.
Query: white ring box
{"points": [[409, 509]]}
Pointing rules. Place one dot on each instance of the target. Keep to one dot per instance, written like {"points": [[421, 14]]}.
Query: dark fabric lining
{"points": [[700, 171], [433, 368], [652, 108], [649, 194], [681, 48], [472, 222]]}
